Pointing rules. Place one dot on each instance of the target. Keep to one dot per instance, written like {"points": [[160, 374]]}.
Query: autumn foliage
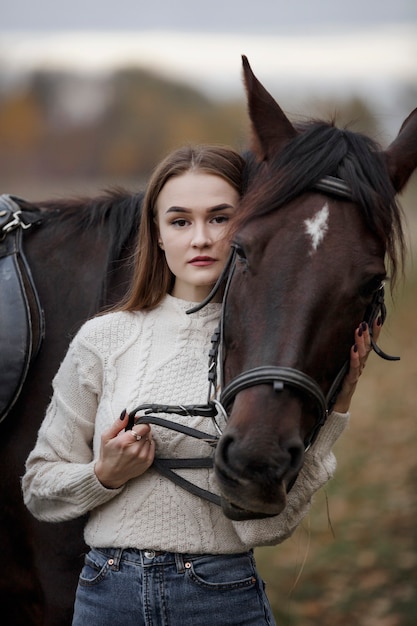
{"points": [[61, 125]]}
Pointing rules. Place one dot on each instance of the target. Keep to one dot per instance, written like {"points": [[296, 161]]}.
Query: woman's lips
{"points": [[202, 261]]}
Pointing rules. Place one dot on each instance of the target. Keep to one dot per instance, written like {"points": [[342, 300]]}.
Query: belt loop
{"points": [[115, 556], [179, 562]]}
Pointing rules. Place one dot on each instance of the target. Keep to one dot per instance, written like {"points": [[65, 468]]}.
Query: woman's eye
{"points": [[179, 223], [220, 219]]}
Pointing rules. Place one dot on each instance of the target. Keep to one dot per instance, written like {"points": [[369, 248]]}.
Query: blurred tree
{"points": [[64, 125], [21, 129], [149, 116]]}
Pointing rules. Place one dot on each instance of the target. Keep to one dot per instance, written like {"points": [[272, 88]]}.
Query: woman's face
{"points": [[192, 212]]}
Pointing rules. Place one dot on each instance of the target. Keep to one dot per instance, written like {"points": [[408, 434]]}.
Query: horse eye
{"points": [[368, 289], [241, 256], [240, 252]]}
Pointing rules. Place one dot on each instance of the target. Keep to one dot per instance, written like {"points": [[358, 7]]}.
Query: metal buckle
{"points": [[16, 222]]}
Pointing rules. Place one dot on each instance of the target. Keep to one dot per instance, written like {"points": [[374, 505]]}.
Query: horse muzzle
{"points": [[254, 485]]}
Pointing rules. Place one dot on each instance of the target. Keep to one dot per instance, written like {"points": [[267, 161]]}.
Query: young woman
{"points": [[160, 555]]}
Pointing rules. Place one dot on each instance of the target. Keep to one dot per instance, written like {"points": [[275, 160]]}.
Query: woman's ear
{"points": [[156, 225], [160, 243]]}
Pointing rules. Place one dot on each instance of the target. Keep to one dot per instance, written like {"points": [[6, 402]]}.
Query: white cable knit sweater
{"points": [[121, 360]]}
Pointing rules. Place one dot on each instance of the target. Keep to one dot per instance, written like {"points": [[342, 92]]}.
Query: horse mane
{"points": [[320, 149], [115, 209]]}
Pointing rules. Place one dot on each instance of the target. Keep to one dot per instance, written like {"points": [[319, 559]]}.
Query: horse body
{"points": [[78, 269]]}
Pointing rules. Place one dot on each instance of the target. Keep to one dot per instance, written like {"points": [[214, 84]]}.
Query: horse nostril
{"points": [[228, 465], [222, 452], [296, 455]]}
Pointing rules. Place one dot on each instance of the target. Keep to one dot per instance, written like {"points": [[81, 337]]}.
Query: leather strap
{"points": [[22, 320], [179, 428], [165, 467]]}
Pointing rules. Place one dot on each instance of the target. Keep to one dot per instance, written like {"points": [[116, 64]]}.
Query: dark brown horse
{"points": [[291, 306], [316, 231], [78, 253]]}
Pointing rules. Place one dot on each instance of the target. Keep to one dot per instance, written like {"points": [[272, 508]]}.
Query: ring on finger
{"points": [[136, 436]]}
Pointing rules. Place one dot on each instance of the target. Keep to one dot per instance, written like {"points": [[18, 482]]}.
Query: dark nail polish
{"points": [[379, 321], [364, 326], [355, 348], [123, 415], [360, 331]]}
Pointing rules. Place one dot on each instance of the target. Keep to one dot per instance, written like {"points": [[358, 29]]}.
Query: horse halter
{"points": [[282, 378]]}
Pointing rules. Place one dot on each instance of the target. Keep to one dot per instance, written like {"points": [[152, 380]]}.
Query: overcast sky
{"points": [[252, 16], [297, 48]]}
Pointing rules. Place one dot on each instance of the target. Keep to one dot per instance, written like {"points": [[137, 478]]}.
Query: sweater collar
{"points": [[209, 310]]}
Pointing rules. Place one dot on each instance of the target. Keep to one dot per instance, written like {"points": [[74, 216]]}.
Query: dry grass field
{"points": [[354, 560]]}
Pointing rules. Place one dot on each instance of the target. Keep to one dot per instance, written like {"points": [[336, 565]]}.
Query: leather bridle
{"points": [[281, 378]]}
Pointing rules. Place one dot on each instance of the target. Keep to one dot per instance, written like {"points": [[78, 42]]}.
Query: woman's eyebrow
{"points": [[178, 209], [214, 209]]}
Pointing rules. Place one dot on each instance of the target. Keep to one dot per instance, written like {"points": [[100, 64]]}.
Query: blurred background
{"points": [[92, 95]]}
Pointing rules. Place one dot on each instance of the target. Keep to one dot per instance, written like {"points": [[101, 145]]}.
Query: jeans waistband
{"points": [[149, 558]]}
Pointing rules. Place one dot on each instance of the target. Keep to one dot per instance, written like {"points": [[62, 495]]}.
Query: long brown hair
{"points": [[152, 278]]}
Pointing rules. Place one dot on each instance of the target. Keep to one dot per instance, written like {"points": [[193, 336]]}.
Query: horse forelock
{"points": [[320, 149]]}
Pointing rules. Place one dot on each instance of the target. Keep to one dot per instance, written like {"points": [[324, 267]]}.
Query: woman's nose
{"points": [[201, 236]]}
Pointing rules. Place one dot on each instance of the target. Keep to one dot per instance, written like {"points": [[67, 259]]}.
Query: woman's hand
{"points": [[124, 455], [358, 355]]}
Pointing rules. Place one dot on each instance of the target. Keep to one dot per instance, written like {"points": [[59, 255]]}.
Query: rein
{"points": [[279, 377]]}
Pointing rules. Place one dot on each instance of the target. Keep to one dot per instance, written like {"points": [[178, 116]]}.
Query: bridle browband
{"points": [[279, 377]]}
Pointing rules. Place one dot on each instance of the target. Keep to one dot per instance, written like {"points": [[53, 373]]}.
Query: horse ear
{"points": [[401, 155], [270, 126]]}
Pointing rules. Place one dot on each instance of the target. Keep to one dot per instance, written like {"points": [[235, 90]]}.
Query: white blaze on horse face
{"points": [[318, 226]]}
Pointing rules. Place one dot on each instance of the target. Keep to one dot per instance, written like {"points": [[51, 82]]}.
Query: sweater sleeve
{"points": [[59, 482], [319, 466]]}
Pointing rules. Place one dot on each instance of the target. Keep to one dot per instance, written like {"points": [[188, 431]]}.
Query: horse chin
{"points": [[243, 500], [237, 514]]}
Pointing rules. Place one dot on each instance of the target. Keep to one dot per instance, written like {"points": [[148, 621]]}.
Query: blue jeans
{"points": [[144, 588]]}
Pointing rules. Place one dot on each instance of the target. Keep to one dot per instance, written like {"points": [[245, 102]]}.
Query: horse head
{"points": [[317, 231]]}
